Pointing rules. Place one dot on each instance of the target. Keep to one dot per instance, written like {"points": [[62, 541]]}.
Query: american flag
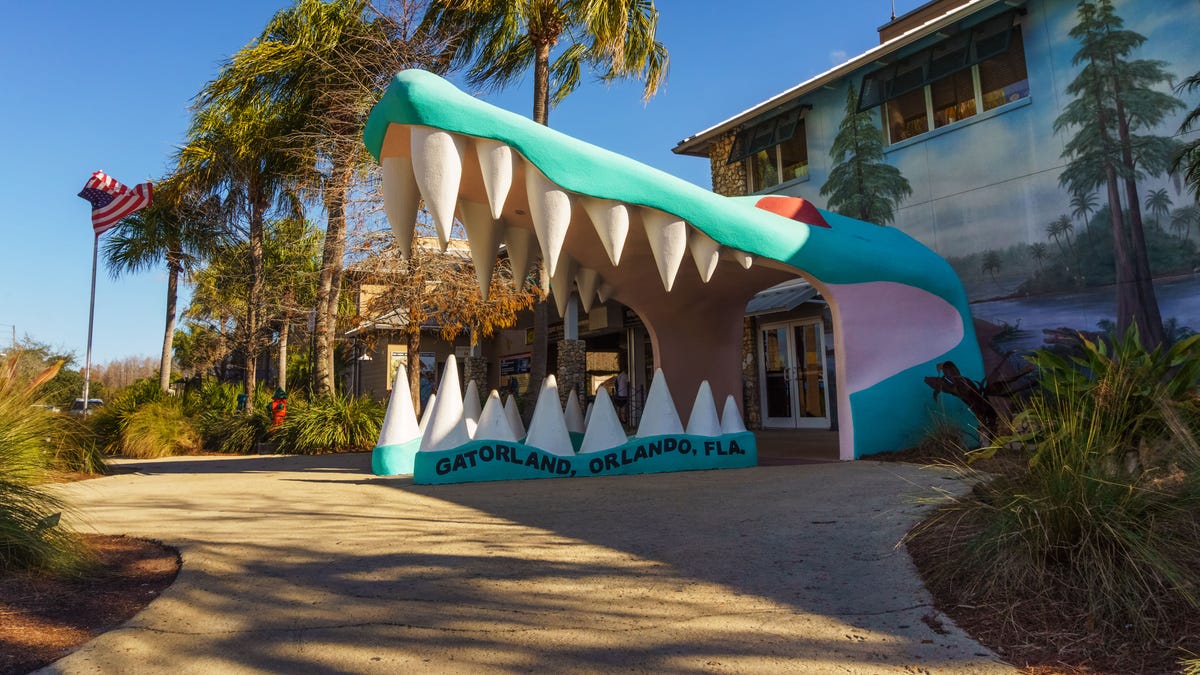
{"points": [[112, 201]]}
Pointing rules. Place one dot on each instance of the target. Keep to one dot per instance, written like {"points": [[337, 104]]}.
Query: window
{"points": [[975, 70], [774, 151]]}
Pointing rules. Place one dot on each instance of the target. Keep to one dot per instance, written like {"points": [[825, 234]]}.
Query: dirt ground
{"points": [[43, 618]]}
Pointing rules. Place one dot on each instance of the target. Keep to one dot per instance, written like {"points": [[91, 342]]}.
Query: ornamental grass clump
{"points": [[159, 429], [1102, 519], [30, 533], [333, 423]]}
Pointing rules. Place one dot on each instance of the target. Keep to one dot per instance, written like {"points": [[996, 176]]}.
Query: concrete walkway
{"points": [[310, 564]]}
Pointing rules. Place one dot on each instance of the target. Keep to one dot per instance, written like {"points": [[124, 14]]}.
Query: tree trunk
{"points": [[284, 330], [1127, 295], [541, 319], [414, 369], [329, 286], [541, 85], [164, 366], [254, 302], [1149, 317]]}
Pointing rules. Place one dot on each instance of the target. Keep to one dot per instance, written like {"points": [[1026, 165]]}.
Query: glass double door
{"points": [[792, 373]]}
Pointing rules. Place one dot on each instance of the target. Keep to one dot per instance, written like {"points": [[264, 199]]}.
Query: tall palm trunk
{"points": [[254, 302], [174, 268], [414, 368], [541, 315], [329, 285], [1150, 327]]}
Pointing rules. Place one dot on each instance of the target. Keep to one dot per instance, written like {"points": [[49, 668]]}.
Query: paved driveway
{"points": [[310, 564]]}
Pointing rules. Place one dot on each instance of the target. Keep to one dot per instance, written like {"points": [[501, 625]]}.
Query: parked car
{"points": [[92, 404]]}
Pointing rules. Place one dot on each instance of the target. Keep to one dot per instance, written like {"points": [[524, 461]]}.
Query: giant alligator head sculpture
{"points": [[685, 259]]}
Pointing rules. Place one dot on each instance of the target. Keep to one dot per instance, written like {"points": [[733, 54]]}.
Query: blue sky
{"points": [[92, 86]]}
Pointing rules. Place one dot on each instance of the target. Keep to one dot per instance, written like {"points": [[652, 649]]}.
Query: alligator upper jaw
{"points": [[689, 291]]}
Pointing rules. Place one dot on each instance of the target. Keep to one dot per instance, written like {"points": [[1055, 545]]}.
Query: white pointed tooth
{"points": [[437, 158], [496, 164], [400, 420], [731, 417], [550, 210], [483, 236], [493, 422], [548, 428], [471, 409], [611, 220], [604, 428], [560, 283], [519, 243], [705, 251], [514, 417], [740, 257], [574, 414], [426, 414], [587, 415], [703, 420], [659, 416], [668, 242], [604, 292], [401, 199], [447, 427], [587, 280]]}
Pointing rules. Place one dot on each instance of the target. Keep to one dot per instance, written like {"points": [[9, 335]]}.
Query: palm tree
{"points": [[176, 229], [1083, 205], [1158, 204], [1060, 227], [1184, 218], [327, 62], [1038, 252], [1188, 157], [500, 40], [233, 152]]}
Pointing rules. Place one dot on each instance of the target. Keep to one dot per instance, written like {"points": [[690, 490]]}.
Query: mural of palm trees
{"points": [[1183, 219], [1061, 227], [991, 264], [1158, 204], [1083, 205], [1039, 253]]}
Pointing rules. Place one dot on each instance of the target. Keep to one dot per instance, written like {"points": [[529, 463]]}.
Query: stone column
{"points": [[751, 406], [476, 368], [572, 369]]}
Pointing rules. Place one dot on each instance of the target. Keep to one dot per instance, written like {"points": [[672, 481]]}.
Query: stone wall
{"points": [[727, 179], [475, 368], [572, 369], [751, 406]]}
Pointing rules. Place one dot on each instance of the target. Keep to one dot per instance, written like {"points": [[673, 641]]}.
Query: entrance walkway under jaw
{"points": [[310, 564]]}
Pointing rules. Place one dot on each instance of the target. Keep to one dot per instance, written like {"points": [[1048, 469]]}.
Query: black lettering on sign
{"points": [[654, 451], [486, 453], [443, 466], [502, 453], [564, 467], [459, 462], [610, 461], [658, 446], [548, 464], [710, 447], [471, 456], [685, 447], [669, 444], [640, 453], [625, 458], [532, 460], [596, 464], [734, 449]]}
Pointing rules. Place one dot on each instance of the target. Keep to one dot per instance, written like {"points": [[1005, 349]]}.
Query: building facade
{"points": [[965, 95]]}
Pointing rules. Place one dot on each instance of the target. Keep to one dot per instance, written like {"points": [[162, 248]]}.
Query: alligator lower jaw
{"points": [[690, 291]]}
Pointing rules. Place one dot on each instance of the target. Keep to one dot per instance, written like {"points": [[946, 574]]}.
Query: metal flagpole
{"points": [[87, 367]]}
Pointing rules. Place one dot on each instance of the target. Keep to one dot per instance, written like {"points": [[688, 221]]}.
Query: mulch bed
{"points": [[44, 618]]}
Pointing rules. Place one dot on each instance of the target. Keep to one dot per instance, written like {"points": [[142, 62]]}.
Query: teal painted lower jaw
{"points": [[498, 460], [394, 460]]}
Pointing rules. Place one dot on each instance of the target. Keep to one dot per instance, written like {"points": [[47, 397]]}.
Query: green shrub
{"points": [[236, 433], [110, 420], [30, 536], [1104, 508], [158, 429], [331, 424], [74, 447]]}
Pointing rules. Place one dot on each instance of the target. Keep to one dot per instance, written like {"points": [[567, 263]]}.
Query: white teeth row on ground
{"points": [[435, 173], [450, 422]]}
